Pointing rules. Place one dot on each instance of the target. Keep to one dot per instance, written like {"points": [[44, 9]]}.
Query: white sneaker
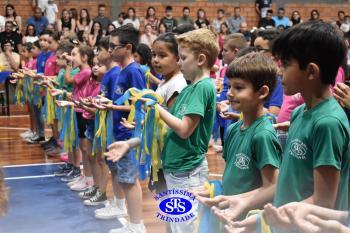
{"points": [[108, 204], [83, 185], [111, 211], [130, 228], [26, 134], [78, 179]]}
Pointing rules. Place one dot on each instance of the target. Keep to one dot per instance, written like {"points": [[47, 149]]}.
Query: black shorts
{"points": [[81, 124]]}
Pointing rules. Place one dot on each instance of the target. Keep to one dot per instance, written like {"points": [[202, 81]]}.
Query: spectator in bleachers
{"points": [[169, 22], [120, 21], [148, 36], [151, 18], [261, 7], [341, 18], [9, 59], [315, 15], [185, 18], [110, 29], [10, 35], [38, 20], [345, 26], [29, 35], [235, 20], [224, 31], [243, 28], [96, 34], [161, 28], [220, 18], [281, 19], [66, 22], [73, 14], [201, 19], [295, 18], [132, 19], [84, 22], [11, 15], [267, 22], [51, 11], [101, 18]]}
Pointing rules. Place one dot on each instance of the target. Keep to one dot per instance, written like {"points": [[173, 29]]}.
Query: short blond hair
{"points": [[201, 41], [235, 41]]}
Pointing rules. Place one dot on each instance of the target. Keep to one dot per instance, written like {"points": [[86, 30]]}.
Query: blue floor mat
{"points": [[46, 205]]}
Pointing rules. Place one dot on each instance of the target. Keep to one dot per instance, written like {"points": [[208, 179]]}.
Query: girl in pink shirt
{"points": [[81, 57]]}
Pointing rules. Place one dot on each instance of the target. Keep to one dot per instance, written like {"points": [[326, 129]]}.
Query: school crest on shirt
{"points": [[182, 109], [119, 90], [242, 161], [298, 149]]}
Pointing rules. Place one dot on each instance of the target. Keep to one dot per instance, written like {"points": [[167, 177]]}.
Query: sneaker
{"points": [[110, 212], [35, 139], [47, 142], [89, 193], [82, 184], [74, 173], [54, 152], [26, 134], [130, 228], [64, 170], [50, 144], [98, 199], [78, 179], [64, 157], [108, 204]]}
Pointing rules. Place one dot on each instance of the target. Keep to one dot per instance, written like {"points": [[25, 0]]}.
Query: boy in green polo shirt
{"points": [[252, 152], [315, 165]]}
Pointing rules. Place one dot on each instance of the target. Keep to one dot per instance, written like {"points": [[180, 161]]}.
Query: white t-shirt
{"points": [[42, 4], [135, 22], [50, 12], [30, 39], [167, 89], [2, 23]]}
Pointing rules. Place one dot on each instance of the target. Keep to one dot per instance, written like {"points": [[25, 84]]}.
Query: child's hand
{"points": [[126, 124], [248, 225], [342, 94], [117, 150], [230, 208], [278, 218], [200, 192], [284, 126], [229, 115], [223, 106], [318, 225], [63, 103], [67, 57]]}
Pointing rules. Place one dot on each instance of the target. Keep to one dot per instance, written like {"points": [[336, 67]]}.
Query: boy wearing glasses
{"points": [[122, 45]]}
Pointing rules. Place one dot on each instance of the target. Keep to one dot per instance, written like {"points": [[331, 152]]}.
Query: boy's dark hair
{"points": [[28, 46], [341, 12], [168, 8], [101, 5], [257, 68], [281, 9], [270, 11], [170, 40], [45, 32], [182, 28], [85, 50], [104, 43], [221, 10], [145, 53], [55, 35], [127, 34], [122, 15], [186, 8], [65, 47], [269, 34], [36, 44], [312, 42]]}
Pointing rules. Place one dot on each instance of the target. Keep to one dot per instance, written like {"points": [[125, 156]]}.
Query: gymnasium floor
{"points": [[40, 202]]}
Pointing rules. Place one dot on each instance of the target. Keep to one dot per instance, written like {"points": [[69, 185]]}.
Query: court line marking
{"points": [[28, 177], [20, 128], [32, 164], [215, 175], [14, 116]]}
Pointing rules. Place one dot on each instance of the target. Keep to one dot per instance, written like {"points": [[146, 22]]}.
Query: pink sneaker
{"points": [[84, 184], [64, 157], [76, 180]]}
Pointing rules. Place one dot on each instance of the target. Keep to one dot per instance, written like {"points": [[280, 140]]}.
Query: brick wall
{"points": [[327, 11]]}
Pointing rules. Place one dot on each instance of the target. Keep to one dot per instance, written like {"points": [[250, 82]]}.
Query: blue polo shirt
{"points": [[41, 61], [40, 25], [107, 84], [276, 98], [129, 77]]}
